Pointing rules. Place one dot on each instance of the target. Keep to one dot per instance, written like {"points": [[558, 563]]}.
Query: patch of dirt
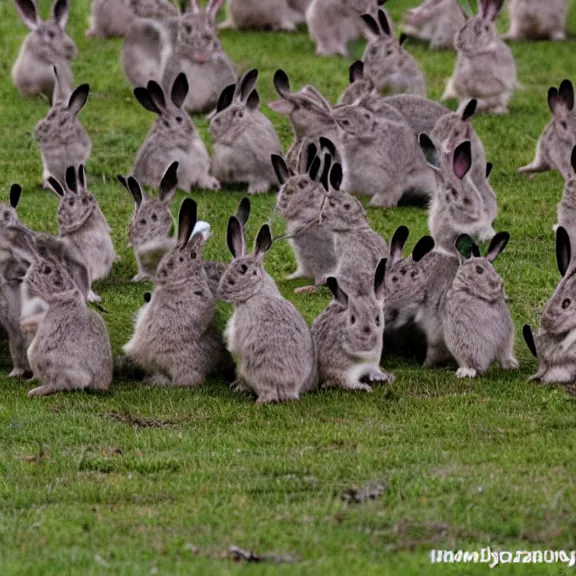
{"points": [[138, 421], [370, 491]]}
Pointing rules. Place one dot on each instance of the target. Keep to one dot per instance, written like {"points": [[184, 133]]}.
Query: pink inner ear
{"points": [[281, 106], [491, 9], [462, 164]]}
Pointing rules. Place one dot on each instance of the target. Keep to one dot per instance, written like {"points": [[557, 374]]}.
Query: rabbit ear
{"points": [[60, 13], [82, 178], [263, 241], [282, 83], [78, 99], [325, 178], [566, 93], [328, 145], [553, 98], [214, 7], [379, 275], [315, 168], [253, 101], [58, 93], [563, 250], [187, 219], [134, 188], [243, 211], [226, 98], [423, 246], [72, 179], [247, 84], [28, 13], [336, 176], [311, 153], [235, 238], [282, 106], [157, 94], [470, 110], [372, 24], [397, 243], [429, 150], [15, 192], [280, 168], [497, 246], [56, 187], [337, 293], [356, 71], [529, 339], [179, 90], [143, 96], [489, 9], [466, 247], [402, 39], [462, 159], [384, 24], [489, 167], [169, 183]]}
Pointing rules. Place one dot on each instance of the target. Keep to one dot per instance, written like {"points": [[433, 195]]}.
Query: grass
{"points": [[154, 481]]}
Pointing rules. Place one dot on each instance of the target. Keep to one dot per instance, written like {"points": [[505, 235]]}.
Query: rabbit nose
{"points": [[366, 330], [231, 281]]}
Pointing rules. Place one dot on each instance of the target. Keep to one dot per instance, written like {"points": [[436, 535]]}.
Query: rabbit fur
{"points": [[243, 138], [532, 19], [172, 138], [267, 336], [254, 15], [46, 46]]}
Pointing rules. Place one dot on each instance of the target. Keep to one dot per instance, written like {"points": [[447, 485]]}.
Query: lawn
{"points": [[146, 480]]}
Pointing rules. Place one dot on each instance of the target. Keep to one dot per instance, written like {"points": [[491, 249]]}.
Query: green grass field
{"points": [[163, 481]]}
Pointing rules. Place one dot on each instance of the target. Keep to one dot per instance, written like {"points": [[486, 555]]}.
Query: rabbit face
{"points": [[198, 34], [559, 314], [75, 208], [342, 212], [354, 120], [228, 124], [46, 278], [404, 289], [478, 33], [8, 216], [152, 219], [243, 279], [478, 277], [462, 200], [565, 125], [382, 58], [181, 263], [356, 91], [365, 325], [300, 196], [51, 42]]}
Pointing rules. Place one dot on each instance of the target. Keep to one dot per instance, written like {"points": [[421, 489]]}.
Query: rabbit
{"points": [[485, 67], [114, 18], [152, 221], [387, 63], [175, 336], [172, 138], [435, 21], [381, 158], [533, 19], [46, 46], [199, 54], [458, 206], [83, 227], [299, 5], [333, 24], [554, 147], [299, 202], [358, 247], [266, 335], [478, 328], [70, 349], [62, 139], [243, 138], [567, 205], [254, 14], [310, 116], [553, 344], [348, 337]]}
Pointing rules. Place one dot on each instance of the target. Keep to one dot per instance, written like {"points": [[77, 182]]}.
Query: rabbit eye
{"points": [[301, 185], [71, 202], [179, 119], [181, 259], [352, 319], [154, 217], [347, 206], [566, 303], [466, 201], [143, 221], [331, 204], [346, 122], [188, 29], [479, 270], [6, 216], [170, 264], [394, 279], [373, 50], [453, 192], [254, 273], [243, 269], [389, 52], [47, 270], [193, 254], [51, 35], [84, 201], [564, 125], [413, 274]]}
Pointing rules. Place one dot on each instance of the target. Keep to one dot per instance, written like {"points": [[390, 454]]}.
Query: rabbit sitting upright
{"points": [[267, 336], [83, 227], [175, 337], [244, 139], [152, 221], [348, 337], [478, 327], [533, 19], [46, 46], [554, 147], [63, 141], [567, 206], [172, 138], [387, 63], [485, 67]]}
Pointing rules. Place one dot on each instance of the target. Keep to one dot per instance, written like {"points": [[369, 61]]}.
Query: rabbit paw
{"points": [[380, 376], [142, 277], [93, 297], [158, 380], [239, 387], [258, 187], [209, 183], [17, 373], [41, 391], [466, 373], [509, 363]]}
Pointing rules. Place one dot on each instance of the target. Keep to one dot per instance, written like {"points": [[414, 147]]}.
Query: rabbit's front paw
{"points": [[93, 297], [258, 187], [209, 183], [381, 376], [239, 387], [466, 373], [41, 391]]}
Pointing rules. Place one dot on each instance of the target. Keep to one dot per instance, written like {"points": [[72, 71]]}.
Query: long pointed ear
{"points": [[72, 179], [157, 94], [325, 177], [566, 94], [356, 72], [491, 9], [247, 84], [169, 183], [143, 96], [133, 187], [379, 284], [402, 39], [429, 150], [282, 83], [489, 167], [470, 110], [327, 144], [243, 211], [337, 293], [384, 24], [424, 246], [179, 90], [82, 179], [336, 176], [563, 250], [285, 107], [466, 247], [529, 339], [280, 168], [213, 8], [497, 245], [226, 98], [28, 13], [372, 24], [15, 192], [235, 238], [553, 98], [253, 101], [187, 219], [78, 98], [397, 243], [60, 13], [462, 159], [59, 93], [263, 241], [56, 187]]}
